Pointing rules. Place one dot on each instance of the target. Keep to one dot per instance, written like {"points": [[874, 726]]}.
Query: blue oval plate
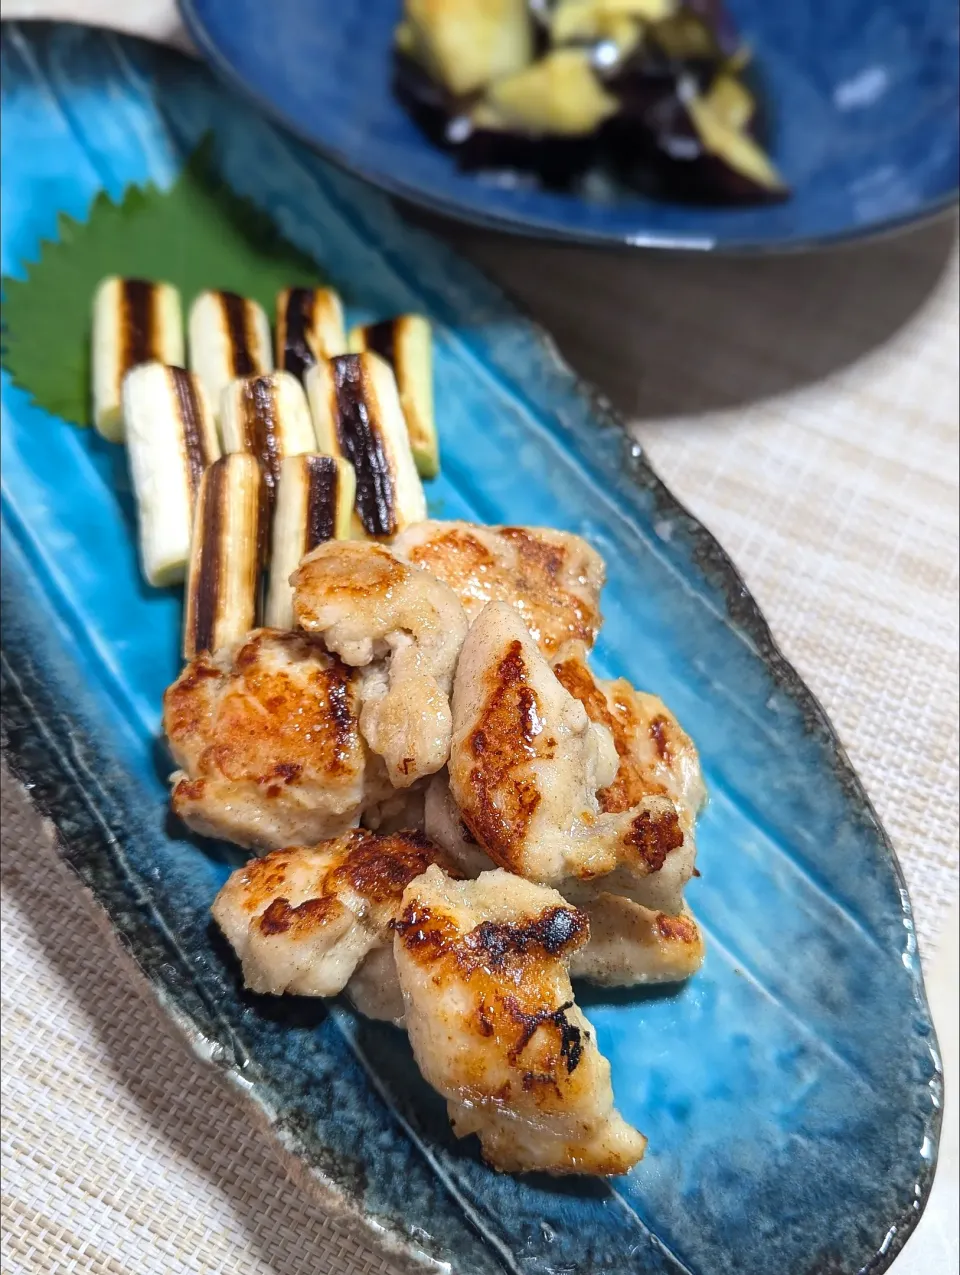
{"points": [[864, 97], [791, 1091]]}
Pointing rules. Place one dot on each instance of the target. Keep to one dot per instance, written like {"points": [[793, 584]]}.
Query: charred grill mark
{"points": [[236, 314], [653, 836], [571, 1043], [539, 553], [138, 326], [504, 800], [552, 932], [258, 408], [377, 868], [340, 686], [425, 934], [381, 338], [381, 868], [323, 478], [296, 355], [362, 443], [679, 928], [194, 438], [207, 600], [280, 917]]}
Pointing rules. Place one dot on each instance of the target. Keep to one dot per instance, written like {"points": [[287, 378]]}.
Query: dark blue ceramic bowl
{"points": [[864, 97]]}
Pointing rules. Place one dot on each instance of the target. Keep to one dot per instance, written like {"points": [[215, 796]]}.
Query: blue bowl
{"points": [[864, 98]]}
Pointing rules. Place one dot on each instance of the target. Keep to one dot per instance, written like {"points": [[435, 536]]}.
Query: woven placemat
{"points": [[122, 1153]]}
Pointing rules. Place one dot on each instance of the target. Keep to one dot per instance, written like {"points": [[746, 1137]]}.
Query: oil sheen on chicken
{"points": [[266, 735], [656, 756], [526, 764], [629, 945], [552, 578], [495, 1029], [303, 919]]}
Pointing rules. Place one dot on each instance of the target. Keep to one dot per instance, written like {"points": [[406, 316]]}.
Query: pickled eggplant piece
{"points": [[357, 415], [731, 102], [689, 148], [406, 343], [590, 21], [465, 44], [648, 95], [309, 328], [315, 497], [554, 162], [559, 95]]}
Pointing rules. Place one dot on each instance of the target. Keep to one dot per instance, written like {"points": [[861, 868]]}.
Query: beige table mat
{"points": [[807, 410]]}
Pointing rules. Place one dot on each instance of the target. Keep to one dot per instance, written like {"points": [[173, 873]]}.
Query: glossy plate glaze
{"points": [[791, 1092], [864, 105]]}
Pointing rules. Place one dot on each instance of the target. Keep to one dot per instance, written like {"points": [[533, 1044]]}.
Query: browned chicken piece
{"points": [[374, 990], [656, 755], [525, 767], [302, 919], [443, 823], [267, 739], [404, 629], [553, 578], [494, 1027], [631, 946], [401, 810]]}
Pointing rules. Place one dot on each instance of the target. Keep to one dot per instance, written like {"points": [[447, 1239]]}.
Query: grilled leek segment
{"points": [[223, 582], [309, 328], [314, 503], [134, 321], [357, 415], [464, 44], [268, 417], [405, 342], [171, 439], [228, 337]]}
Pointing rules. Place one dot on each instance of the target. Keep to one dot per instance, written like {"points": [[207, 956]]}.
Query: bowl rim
{"points": [[683, 243]]}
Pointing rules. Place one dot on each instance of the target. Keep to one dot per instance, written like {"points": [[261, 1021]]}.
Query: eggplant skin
{"points": [[650, 140]]}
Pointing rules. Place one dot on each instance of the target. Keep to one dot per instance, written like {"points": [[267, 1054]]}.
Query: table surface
{"points": [[806, 409]]}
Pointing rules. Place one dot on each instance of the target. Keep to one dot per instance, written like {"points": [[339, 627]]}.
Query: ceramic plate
{"points": [[791, 1090], [863, 101]]}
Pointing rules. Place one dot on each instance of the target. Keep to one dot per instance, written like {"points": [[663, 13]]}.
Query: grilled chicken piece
{"points": [[374, 989], [401, 810], [443, 823], [404, 628], [525, 766], [267, 737], [494, 1027], [656, 755], [302, 919], [553, 578], [631, 946]]}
